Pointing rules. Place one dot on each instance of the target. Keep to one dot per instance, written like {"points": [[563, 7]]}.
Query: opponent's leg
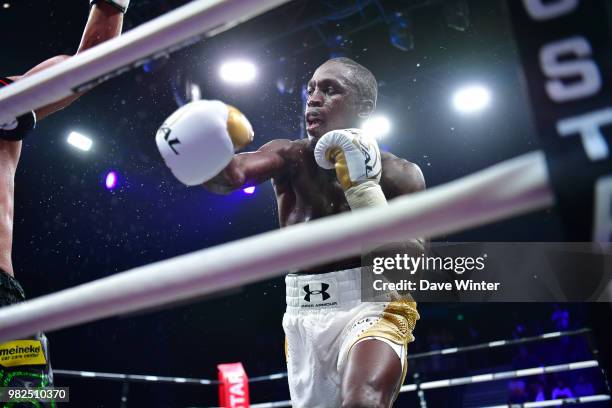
{"points": [[24, 363]]}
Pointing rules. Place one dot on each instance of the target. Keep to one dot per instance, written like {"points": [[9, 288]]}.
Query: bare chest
{"points": [[307, 192]]}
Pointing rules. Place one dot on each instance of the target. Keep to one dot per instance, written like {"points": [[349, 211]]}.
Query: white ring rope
{"points": [[282, 375], [134, 377], [503, 375], [506, 189], [499, 343], [436, 384], [161, 35]]}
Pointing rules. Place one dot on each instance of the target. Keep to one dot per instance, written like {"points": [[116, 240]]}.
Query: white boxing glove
{"points": [[121, 5], [356, 159], [199, 140]]}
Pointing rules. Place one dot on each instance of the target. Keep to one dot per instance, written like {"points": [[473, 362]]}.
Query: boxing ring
{"points": [[508, 189], [505, 190], [418, 386]]}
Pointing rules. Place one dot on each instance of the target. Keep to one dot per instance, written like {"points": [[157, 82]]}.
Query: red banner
{"points": [[233, 386]]}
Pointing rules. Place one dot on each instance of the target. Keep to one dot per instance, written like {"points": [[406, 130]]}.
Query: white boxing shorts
{"points": [[325, 318]]}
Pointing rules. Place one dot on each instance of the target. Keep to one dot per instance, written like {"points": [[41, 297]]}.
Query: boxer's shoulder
{"points": [[393, 163], [400, 176]]}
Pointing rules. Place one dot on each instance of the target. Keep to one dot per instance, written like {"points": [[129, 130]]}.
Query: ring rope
{"points": [[506, 189], [484, 378], [167, 33], [503, 375], [474, 379], [134, 377], [281, 375], [499, 343]]}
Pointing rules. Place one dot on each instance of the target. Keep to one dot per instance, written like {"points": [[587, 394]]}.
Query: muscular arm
{"points": [[104, 22], [250, 168], [401, 177]]}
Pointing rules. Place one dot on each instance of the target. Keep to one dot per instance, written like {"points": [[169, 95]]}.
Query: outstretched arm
{"points": [[249, 169], [105, 22], [198, 143]]}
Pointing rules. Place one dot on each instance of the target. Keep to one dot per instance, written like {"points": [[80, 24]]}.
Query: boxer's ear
{"points": [[365, 108]]}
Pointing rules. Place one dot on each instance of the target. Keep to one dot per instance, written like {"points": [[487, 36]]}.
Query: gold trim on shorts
{"points": [[396, 325]]}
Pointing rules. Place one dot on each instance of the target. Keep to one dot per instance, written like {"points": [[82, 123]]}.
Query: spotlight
{"points": [[237, 72], [6, 5], [376, 126], [471, 99], [111, 180], [79, 141], [195, 91], [249, 190]]}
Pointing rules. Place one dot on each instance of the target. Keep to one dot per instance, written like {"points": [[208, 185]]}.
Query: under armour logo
{"points": [[322, 292], [165, 131]]}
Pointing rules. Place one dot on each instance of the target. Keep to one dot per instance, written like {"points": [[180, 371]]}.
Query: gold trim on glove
{"points": [[336, 155], [239, 128]]}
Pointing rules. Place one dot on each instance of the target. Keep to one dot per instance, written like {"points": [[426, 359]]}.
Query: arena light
{"points": [[79, 141], [377, 126], [111, 180], [196, 92], [237, 72], [471, 99]]}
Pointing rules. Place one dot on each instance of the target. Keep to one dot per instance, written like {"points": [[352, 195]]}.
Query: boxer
{"points": [[340, 351], [30, 365]]}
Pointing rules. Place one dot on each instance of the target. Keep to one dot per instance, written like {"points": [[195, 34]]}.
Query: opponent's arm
{"points": [[105, 22]]}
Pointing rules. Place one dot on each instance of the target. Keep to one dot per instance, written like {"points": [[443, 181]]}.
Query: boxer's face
{"points": [[331, 100]]}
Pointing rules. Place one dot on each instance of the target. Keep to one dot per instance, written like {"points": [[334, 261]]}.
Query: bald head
{"points": [[341, 95], [360, 78]]}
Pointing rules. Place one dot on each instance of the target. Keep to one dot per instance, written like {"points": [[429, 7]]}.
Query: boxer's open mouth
{"points": [[313, 121], [313, 124]]}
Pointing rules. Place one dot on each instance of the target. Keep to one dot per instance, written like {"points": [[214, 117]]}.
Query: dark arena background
{"points": [[72, 227]]}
